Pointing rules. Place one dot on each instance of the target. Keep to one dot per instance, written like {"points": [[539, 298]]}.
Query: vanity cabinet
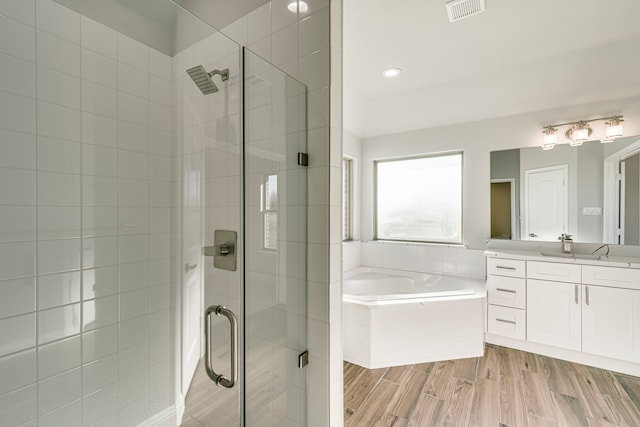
{"points": [[506, 294], [553, 313], [553, 304], [611, 313], [587, 313]]}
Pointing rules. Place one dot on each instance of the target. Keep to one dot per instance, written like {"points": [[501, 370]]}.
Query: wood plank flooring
{"points": [[505, 388]]}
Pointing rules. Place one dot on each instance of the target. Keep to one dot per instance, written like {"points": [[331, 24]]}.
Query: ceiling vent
{"points": [[460, 9]]}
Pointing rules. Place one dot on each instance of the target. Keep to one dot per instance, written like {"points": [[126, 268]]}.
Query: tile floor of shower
{"points": [[268, 394]]}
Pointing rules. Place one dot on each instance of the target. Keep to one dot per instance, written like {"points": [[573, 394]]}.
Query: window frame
{"points": [[347, 173], [416, 157], [267, 212]]}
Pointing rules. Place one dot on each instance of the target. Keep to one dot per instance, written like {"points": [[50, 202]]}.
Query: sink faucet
{"points": [[566, 242]]}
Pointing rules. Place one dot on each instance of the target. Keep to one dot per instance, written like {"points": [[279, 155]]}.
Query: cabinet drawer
{"points": [[505, 267], [506, 291], [554, 271], [611, 276], [505, 321]]}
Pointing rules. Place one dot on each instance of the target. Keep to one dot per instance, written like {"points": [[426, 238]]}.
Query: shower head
{"points": [[204, 80]]}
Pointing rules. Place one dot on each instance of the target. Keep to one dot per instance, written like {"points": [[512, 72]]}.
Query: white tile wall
{"points": [[437, 259], [75, 220]]}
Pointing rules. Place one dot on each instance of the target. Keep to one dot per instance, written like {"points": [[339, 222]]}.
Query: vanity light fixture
{"points": [[392, 72], [580, 131], [298, 6]]}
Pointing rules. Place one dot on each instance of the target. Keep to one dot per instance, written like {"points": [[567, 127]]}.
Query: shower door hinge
{"points": [[303, 159], [303, 359]]}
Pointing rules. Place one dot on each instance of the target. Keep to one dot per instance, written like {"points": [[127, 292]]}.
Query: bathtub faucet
{"points": [[566, 242]]}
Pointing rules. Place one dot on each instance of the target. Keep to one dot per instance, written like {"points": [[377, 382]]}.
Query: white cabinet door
{"points": [[553, 313], [611, 322]]}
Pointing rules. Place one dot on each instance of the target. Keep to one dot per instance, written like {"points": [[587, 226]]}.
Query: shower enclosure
{"points": [[116, 171]]}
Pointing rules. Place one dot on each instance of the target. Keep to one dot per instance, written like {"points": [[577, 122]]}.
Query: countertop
{"points": [[583, 254]]}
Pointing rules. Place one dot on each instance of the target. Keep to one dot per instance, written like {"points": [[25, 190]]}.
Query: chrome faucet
{"points": [[566, 242]]}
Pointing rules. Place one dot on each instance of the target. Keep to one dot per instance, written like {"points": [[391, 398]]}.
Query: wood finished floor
{"points": [[506, 387]]}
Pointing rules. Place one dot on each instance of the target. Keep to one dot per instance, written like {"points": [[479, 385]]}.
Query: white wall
{"points": [[85, 221]]}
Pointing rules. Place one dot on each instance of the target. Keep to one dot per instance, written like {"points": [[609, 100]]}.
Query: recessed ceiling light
{"points": [[293, 7], [392, 72]]}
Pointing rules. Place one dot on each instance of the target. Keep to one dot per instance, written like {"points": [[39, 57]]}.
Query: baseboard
{"points": [[180, 406], [171, 416], [164, 418], [624, 367]]}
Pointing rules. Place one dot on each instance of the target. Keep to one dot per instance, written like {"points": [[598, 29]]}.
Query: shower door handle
{"points": [[220, 379]]}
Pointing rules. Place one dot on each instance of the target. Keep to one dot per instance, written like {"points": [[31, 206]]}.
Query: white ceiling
{"points": [[515, 57]]}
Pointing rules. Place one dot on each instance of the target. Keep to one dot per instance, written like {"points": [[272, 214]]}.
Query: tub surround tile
{"points": [[434, 259]]}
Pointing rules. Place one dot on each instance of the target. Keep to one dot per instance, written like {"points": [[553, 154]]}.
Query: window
{"points": [[268, 207], [419, 199], [347, 175]]}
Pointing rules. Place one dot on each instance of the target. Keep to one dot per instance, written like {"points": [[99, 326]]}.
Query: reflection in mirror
{"points": [[591, 192]]}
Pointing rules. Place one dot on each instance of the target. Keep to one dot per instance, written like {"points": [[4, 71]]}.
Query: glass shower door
{"points": [[275, 227]]}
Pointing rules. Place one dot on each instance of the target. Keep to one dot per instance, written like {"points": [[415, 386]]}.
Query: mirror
{"points": [[591, 192]]}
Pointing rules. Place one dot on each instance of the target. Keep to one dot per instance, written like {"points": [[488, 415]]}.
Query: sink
{"points": [[586, 256], [572, 256], [557, 254]]}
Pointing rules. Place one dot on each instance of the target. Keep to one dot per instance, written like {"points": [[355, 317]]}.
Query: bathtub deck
{"points": [[505, 388]]}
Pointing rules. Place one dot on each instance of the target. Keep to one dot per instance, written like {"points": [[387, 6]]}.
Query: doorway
{"points": [[243, 175], [621, 215], [503, 215]]}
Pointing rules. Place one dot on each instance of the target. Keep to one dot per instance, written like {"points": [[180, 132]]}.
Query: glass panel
{"points": [[209, 147], [275, 225], [420, 199]]}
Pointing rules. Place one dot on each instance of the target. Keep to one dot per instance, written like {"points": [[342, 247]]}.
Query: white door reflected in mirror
{"points": [[546, 202]]}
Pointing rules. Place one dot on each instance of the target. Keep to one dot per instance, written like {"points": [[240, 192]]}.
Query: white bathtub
{"points": [[379, 284], [394, 318]]}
